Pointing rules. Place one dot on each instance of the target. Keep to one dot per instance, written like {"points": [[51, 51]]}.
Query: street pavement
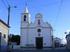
{"points": [[37, 50], [41, 50]]}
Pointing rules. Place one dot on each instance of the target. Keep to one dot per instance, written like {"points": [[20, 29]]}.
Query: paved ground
{"points": [[38, 50]]}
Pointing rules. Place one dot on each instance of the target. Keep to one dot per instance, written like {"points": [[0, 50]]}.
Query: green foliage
{"points": [[15, 38]]}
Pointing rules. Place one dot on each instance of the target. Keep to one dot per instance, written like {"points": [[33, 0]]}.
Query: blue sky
{"points": [[56, 12]]}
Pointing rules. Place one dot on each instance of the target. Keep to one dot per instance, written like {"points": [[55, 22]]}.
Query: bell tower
{"points": [[26, 15], [25, 21], [25, 18]]}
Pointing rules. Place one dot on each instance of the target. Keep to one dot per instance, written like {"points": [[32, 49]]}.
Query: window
{"points": [[39, 22], [39, 30], [39, 34], [0, 35], [4, 35], [24, 17]]}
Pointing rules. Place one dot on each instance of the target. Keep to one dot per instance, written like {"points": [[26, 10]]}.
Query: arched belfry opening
{"points": [[24, 17]]}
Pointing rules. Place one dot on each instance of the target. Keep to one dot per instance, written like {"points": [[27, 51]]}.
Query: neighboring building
{"points": [[68, 40], [57, 42], [3, 33], [37, 34]]}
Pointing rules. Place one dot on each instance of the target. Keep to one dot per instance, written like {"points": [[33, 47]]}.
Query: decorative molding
{"points": [[33, 27]]}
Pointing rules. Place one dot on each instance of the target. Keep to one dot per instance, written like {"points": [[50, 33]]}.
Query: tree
{"points": [[15, 38]]}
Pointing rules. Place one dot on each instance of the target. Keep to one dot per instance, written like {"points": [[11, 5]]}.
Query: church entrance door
{"points": [[39, 42]]}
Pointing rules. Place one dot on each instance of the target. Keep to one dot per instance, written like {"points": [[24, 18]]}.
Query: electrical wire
{"points": [[4, 4], [7, 3]]}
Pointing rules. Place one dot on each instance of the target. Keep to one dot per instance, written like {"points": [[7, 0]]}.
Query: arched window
{"points": [[39, 34], [39, 30], [4, 35], [24, 17], [39, 22]]}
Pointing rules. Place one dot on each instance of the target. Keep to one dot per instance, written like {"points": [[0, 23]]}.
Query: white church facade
{"points": [[37, 34]]}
